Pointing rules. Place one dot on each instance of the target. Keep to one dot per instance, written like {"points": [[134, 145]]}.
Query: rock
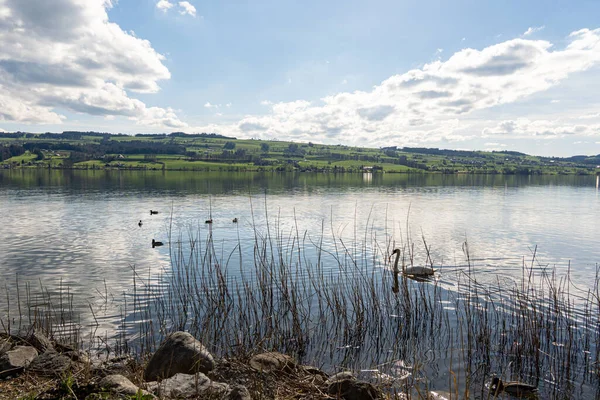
{"points": [[78, 356], [38, 340], [180, 353], [273, 362], [196, 386], [340, 376], [15, 360], [351, 389], [239, 392], [50, 363], [120, 385], [314, 371]]}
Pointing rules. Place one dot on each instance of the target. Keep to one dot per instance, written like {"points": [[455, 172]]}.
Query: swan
{"points": [[417, 272], [153, 212], [156, 244], [513, 388]]}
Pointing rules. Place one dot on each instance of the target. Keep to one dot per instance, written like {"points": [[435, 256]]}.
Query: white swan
{"points": [[417, 272]]}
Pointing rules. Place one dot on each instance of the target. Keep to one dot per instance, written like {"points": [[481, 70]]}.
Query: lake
{"points": [[75, 235]]}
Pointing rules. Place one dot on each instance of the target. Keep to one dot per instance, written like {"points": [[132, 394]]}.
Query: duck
{"points": [[517, 389], [418, 272], [140, 223], [153, 212], [156, 244], [208, 221], [235, 220]]}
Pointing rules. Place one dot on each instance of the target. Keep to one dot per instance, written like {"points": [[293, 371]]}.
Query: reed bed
{"points": [[332, 304]]}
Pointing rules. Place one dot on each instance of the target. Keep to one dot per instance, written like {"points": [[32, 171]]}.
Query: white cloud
{"points": [[164, 5], [228, 105], [524, 127], [66, 54], [266, 103], [187, 8], [533, 29], [438, 102]]}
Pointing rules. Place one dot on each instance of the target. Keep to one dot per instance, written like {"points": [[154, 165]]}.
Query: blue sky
{"points": [[507, 75]]}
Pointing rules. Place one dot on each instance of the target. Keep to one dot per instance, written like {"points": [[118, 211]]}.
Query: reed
{"points": [[330, 303]]}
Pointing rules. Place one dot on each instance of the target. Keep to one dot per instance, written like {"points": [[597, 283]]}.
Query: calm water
{"points": [[78, 230]]}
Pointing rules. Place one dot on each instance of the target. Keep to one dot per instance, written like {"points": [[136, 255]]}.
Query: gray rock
{"points": [[187, 386], [239, 392], [180, 353], [15, 360], [50, 363], [340, 376], [120, 385], [273, 362], [351, 389], [38, 340]]}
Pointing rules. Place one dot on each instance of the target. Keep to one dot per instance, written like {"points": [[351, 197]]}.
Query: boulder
{"points": [[15, 360], [351, 389], [180, 353], [273, 362], [38, 340], [191, 386], [118, 384], [50, 363], [340, 376]]}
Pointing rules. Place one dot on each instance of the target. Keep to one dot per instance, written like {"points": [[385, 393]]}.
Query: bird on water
{"points": [[517, 389], [153, 212], [208, 221], [140, 223], [418, 272], [235, 220], [156, 244]]}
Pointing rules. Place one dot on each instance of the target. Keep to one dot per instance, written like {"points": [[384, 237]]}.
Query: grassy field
{"points": [[214, 153]]}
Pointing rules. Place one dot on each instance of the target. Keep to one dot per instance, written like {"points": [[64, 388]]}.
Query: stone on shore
{"points": [[118, 384], [38, 340], [345, 386], [15, 360], [273, 362], [50, 363], [180, 353], [186, 386]]}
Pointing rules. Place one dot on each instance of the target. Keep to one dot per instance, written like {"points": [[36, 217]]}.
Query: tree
{"points": [[265, 147], [229, 145], [39, 154]]}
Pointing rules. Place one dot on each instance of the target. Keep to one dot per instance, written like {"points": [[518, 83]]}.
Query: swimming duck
{"points": [[140, 223], [208, 221], [517, 389], [153, 212], [235, 220], [156, 244]]}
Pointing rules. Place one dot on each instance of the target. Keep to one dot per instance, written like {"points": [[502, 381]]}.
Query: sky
{"points": [[476, 75]]}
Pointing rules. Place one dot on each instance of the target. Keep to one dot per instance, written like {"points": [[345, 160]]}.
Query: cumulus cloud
{"points": [[187, 8], [66, 54], [434, 103], [533, 29], [164, 5]]}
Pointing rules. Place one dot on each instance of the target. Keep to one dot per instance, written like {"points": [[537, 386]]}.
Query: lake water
{"points": [[76, 233]]}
